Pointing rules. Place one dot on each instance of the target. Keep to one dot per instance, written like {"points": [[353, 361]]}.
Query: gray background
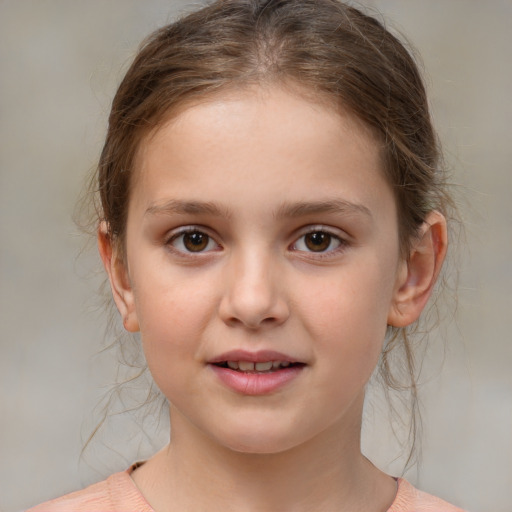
{"points": [[59, 64]]}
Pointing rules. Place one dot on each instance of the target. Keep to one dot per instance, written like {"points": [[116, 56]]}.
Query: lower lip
{"points": [[256, 383]]}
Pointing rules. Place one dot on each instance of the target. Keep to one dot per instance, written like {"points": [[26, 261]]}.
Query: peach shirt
{"points": [[119, 493]]}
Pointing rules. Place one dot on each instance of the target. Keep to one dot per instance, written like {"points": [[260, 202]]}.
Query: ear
{"points": [[119, 279], [417, 275]]}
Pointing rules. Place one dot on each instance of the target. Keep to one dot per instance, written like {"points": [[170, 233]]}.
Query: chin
{"points": [[260, 441], [259, 447]]}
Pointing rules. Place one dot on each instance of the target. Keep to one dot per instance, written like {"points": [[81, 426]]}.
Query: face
{"points": [[262, 266]]}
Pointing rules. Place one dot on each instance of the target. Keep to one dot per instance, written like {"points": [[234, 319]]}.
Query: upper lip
{"points": [[261, 356]]}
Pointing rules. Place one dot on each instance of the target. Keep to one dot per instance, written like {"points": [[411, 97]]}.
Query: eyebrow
{"points": [[174, 206], [286, 210], [301, 209]]}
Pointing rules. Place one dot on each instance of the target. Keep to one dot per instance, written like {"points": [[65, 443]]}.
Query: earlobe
{"points": [[120, 285], [417, 275]]}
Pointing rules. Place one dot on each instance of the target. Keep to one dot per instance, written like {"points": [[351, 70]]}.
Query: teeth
{"points": [[263, 367], [246, 366], [249, 366]]}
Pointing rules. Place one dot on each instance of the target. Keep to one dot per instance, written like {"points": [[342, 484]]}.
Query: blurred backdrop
{"points": [[60, 62]]}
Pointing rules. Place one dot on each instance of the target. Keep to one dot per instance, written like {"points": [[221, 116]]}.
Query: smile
{"points": [[252, 367], [256, 373]]}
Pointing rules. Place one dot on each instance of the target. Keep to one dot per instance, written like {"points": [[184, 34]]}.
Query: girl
{"points": [[272, 221]]}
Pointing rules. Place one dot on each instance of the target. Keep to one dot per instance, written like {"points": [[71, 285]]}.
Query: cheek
{"points": [[171, 302], [347, 316], [350, 302], [172, 317]]}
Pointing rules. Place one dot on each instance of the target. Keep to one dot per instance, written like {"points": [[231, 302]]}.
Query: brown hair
{"points": [[326, 47]]}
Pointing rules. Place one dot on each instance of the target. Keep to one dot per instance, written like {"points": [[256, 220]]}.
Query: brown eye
{"points": [[318, 241], [193, 241]]}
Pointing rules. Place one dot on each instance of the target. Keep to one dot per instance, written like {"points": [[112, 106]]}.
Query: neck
{"points": [[324, 474]]}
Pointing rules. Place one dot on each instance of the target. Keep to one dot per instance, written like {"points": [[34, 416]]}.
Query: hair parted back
{"points": [[325, 47]]}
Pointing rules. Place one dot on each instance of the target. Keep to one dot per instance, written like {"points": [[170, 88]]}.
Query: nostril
{"points": [[252, 300]]}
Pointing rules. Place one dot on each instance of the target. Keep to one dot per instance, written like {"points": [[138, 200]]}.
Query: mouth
{"points": [[257, 367], [256, 373]]}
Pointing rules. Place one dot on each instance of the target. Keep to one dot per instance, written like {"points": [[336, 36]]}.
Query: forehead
{"points": [[282, 104], [257, 136], [298, 101]]}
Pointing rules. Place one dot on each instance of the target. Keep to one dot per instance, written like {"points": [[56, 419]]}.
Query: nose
{"points": [[254, 293]]}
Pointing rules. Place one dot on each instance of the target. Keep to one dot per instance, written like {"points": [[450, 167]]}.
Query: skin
{"points": [[255, 171]]}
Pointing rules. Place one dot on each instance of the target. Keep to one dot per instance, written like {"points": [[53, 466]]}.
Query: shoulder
{"points": [[410, 499], [118, 492]]}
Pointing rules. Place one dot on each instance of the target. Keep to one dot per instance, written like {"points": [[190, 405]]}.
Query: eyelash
{"points": [[341, 243], [177, 238], [190, 230]]}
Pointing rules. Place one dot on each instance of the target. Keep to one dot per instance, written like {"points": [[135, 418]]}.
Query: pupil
{"points": [[195, 241], [318, 241]]}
